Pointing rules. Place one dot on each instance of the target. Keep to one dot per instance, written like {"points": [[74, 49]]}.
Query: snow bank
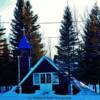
{"points": [[15, 96], [85, 94]]}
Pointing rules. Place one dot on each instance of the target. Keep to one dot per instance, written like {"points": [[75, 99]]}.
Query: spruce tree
{"points": [[66, 50], [90, 65], [17, 26], [15, 37], [25, 24], [32, 33], [68, 39], [4, 58], [2, 41]]}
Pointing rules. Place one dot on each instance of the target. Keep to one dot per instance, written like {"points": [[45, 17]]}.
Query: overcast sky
{"points": [[48, 11]]}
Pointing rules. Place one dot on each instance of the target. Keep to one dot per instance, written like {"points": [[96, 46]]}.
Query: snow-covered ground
{"points": [[85, 94], [14, 96]]}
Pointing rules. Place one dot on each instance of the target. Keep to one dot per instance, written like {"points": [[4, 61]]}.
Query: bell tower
{"points": [[24, 59]]}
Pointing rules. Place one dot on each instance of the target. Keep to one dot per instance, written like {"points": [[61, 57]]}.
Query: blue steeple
{"points": [[24, 43]]}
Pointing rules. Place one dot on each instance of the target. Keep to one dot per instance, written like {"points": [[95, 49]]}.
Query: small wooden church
{"points": [[45, 77]]}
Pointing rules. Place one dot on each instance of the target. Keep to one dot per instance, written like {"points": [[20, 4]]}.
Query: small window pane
{"points": [[48, 78], [43, 78], [36, 79], [55, 78]]}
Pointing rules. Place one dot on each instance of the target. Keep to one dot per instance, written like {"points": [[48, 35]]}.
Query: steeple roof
{"points": [[24, 43]]}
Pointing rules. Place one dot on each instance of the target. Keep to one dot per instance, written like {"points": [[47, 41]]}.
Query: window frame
{"points": [[34, 79], [51, 81]]}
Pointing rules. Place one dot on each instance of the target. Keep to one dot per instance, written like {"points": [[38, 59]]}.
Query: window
{"points": [[55, 78], [43, 77], [48, 78], [36, 79]]}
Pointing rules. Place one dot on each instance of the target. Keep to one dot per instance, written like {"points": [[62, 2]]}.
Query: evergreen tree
{"points": [[4, 58], [25, 24], [68, 39], [15, 37], [2, 42], [66, 50], [90, 65], [31, 32], [17, 26]]}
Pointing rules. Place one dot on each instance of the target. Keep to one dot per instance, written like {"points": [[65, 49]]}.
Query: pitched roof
{"points": [[45, 59], [36, 65], [24, 43], [33, 69]]}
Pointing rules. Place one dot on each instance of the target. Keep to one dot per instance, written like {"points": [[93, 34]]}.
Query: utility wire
{"points": [[51, 37], [46, 22]]}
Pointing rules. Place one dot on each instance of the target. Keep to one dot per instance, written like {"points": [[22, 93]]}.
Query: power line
{"points": [[58, 22], [49, 22], [51, 37], [6, 22]]}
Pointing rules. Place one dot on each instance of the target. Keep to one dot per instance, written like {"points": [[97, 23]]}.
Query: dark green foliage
{"points": [[4, 53], [90, 64], [17, 33], [1, 32], [17, 25], [68, 39], [25, 24], [5, 68], [31, 32]]}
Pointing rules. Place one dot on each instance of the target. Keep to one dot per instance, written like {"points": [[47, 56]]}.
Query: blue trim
{"points": [[35, 66], [24, 43], [33, 69], [49, 60]]}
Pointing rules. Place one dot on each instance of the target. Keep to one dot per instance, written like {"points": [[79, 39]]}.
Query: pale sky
{"points": [[48, 11]]}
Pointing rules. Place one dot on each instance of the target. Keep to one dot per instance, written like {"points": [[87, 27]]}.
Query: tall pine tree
{"points": [[15, 37], [66, 50], [25, 24], [3, 44], [4, 59], [17, 26], [32, 33], [68, 39], [90, 64]]}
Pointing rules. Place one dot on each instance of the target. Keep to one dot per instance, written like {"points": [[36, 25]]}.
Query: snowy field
{"points": [[86, 93], [14, 96], [82, 95]]}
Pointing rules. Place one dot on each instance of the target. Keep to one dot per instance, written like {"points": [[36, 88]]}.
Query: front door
{"points": [[46, 88], [45, 81], [46, 84]]}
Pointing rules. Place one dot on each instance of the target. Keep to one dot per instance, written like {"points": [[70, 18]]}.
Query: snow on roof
{"points": [[84, 89], [24, 43]]}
